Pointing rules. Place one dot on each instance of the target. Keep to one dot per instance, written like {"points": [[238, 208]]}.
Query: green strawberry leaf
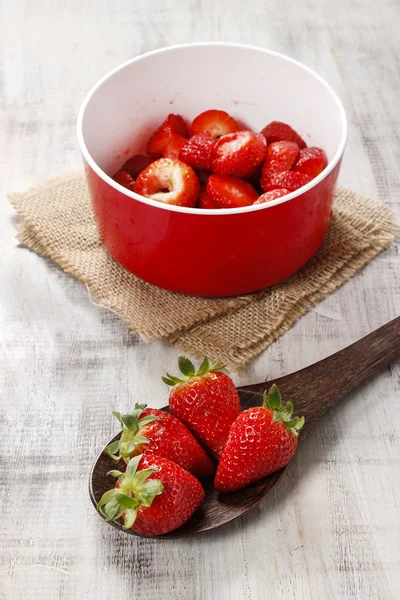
{"points": [[186, 366], [130, 518], [112, 450], [204, 367], [115, 473], [147, 420], [125, 501], [273, 398], [132, 466]]}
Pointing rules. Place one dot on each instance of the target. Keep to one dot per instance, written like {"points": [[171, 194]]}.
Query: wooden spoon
{"points": [[313, 391]]}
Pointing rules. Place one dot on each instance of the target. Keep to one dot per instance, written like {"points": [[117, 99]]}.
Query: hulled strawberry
{"points": [[136, 164], [215, 122], [205, 400], [152, 430], [123, 178], [289, 180], [238, 154], [276, 131], [170, 181], [229, 192], [173, 124], [153, 496], [311, 161], [272, 195], [197, 151], [205, 200], [174, 146], [281, 156], [261, 440]]}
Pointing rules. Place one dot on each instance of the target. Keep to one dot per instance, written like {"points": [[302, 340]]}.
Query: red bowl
{"points": [[197, 251]]}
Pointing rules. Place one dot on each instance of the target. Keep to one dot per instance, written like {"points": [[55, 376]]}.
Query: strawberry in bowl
{"points": [[222, 248]]}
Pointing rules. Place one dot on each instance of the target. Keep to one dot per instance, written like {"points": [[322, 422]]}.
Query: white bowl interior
{"points": [[255, 86]]}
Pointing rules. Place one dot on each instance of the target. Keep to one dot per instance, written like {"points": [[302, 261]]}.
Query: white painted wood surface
{"points": [[331, 528]]}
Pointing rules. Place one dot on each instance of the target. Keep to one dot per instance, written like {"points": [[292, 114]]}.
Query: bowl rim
{"points": [[212, 211]]}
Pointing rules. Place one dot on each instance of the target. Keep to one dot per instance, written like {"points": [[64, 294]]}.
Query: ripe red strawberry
{"points": [[174, 146], [272, 195], [206, 400], [311, 161], [261, 440], [230, 192], [169, 181], [153, 496], [152, 430], [123, 178], [278, 131], [173, 124], [289, 180], [281, 156], [205, 200], [238, 154], [136, 164], [216, 122], [197, 151]]}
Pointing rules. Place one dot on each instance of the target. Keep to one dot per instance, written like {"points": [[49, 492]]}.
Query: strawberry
{"points": [[272, 195], [289, 180], [173, 124], [136, 164], [169, 181], [215, 122], [238, 153], [311, 162], [281, 156], [230, 192], [153, 496], [152, 430], [123, 178], [261, 440], [278, 132], [205, 400], [197, 151], [174, 146], [205, 200]]}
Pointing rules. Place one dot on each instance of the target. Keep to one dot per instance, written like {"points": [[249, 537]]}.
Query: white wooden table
{"points": [[331, 527]]}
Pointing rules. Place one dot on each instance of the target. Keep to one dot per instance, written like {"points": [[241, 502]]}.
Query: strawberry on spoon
{"points": [[170, 181], [261, 441], [153, 496], [152, 430], [205, 400]]}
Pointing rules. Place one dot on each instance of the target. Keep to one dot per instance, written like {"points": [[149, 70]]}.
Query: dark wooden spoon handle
{"points": [[320, 386]]}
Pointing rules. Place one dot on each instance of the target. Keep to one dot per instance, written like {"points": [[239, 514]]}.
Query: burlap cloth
{"points": [[58, 223]]}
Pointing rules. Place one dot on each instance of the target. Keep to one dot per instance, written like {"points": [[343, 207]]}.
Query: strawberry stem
{"points": [[282, 412], [135, 490], [131, 437], [189, 372]]}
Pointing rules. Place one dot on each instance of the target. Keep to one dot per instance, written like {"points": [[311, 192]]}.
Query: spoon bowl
{"points": [[312, 390]]}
